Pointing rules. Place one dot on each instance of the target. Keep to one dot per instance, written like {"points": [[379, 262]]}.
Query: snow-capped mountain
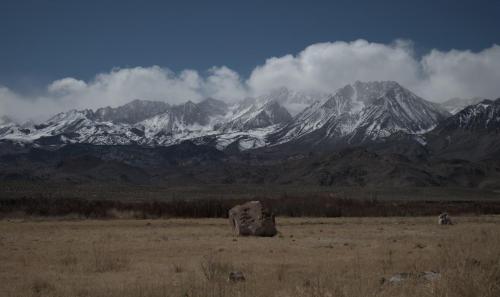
{"points": [[471, 134], [74, 126], [398, 110], [319, 113], [454, 105], [182, 122], [364, 111], [481, 117], [356, 113], [207, 121]]}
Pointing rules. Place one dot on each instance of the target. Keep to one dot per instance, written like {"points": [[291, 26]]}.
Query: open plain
{"points": [[193, 257]]}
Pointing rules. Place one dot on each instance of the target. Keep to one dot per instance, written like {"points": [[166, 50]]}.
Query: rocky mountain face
{"points": [[130, 113], [471, 134]]}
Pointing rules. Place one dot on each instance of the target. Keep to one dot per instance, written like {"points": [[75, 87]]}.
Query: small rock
{"points": [[403, 276], [399, 277], [236, 276], [430, 275], [444, 219]]}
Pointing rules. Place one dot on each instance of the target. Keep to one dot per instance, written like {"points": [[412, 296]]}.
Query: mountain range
{"points": [[366, 133], [357, 113]]}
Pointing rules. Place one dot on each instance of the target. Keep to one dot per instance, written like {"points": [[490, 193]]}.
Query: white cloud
{"points": [[322, 67], [225, 84], [326, 67], [436, 76], [66, 85], [461, 74], [22, 108]]}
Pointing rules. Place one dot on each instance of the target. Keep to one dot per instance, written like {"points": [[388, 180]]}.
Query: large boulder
{"points": [[252, 218]]}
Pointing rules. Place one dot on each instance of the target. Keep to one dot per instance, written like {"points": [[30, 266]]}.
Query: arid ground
{"points": [[193, 257]]}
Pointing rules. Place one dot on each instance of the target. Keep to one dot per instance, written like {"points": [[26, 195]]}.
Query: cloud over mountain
{"points": [[323, 67], [436, 76]]}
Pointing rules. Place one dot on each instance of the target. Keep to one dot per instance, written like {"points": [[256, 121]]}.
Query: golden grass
{"points": [[193, 257]]}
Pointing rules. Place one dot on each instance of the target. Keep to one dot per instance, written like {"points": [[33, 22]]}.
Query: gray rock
{"points": [[252, 218], [444, 219], [398, 278]]}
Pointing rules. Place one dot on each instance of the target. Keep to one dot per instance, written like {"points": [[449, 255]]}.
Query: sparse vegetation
{"points": [[193, 257], [214, 269], [105, 259]]}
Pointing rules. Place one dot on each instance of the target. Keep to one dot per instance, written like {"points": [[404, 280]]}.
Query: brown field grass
{"points": [[193, 257]]}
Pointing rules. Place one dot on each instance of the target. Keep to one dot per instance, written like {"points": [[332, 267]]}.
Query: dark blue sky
{"points": [[45, 40]]}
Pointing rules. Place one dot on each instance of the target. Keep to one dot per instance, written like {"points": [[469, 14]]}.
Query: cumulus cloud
{"points": [[461, 74], [21, 108], [66, 85], [225, 84], [121, 86], [328, 66], [436, 76], [322, 67]]}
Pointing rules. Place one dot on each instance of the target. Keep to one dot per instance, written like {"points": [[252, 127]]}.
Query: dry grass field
{"points": [[193, 257]]}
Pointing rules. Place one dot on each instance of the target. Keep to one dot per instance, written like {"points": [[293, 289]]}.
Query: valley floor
{"points": [[193, 257]]}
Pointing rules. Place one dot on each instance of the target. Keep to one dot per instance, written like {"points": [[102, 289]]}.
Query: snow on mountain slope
{"points": [[471, 134], [64, 123], [483, 116], [254, 114], [397, 110], [188, 121], [367, 92], [182, 122], [6, 125], [364, 111], [356, 113], [316, 115]]}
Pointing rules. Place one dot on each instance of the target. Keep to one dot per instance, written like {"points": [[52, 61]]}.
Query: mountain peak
{"points": [[483, 116], [132, 112], [252, 113], [363, 111]]}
